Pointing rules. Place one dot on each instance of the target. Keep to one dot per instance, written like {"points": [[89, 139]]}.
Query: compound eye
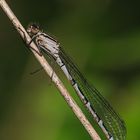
{"points": [[34, 26], [33, 29]]}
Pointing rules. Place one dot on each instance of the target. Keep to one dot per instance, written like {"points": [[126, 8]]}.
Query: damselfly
{"points": [[108, 120]]}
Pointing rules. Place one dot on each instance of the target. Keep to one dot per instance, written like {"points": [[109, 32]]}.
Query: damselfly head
{"points": [[33, 29]]}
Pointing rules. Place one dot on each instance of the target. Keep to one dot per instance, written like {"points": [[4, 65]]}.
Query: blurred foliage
{"points": [[107, 32]]}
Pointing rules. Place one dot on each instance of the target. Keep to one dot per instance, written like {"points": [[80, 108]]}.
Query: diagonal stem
{"points": [[70, 101]]}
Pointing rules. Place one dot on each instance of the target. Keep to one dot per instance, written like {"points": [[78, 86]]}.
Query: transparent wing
{"points": [[110, 118]]}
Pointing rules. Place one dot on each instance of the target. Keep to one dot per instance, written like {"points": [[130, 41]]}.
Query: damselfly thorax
{"points": [[47, 44], [43, 41]]}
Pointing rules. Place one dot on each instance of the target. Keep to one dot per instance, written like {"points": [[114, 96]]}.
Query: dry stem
{"points": [[72, 104]]}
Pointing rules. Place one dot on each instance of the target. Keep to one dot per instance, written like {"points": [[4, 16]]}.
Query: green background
{"points": [[103, 38]]}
